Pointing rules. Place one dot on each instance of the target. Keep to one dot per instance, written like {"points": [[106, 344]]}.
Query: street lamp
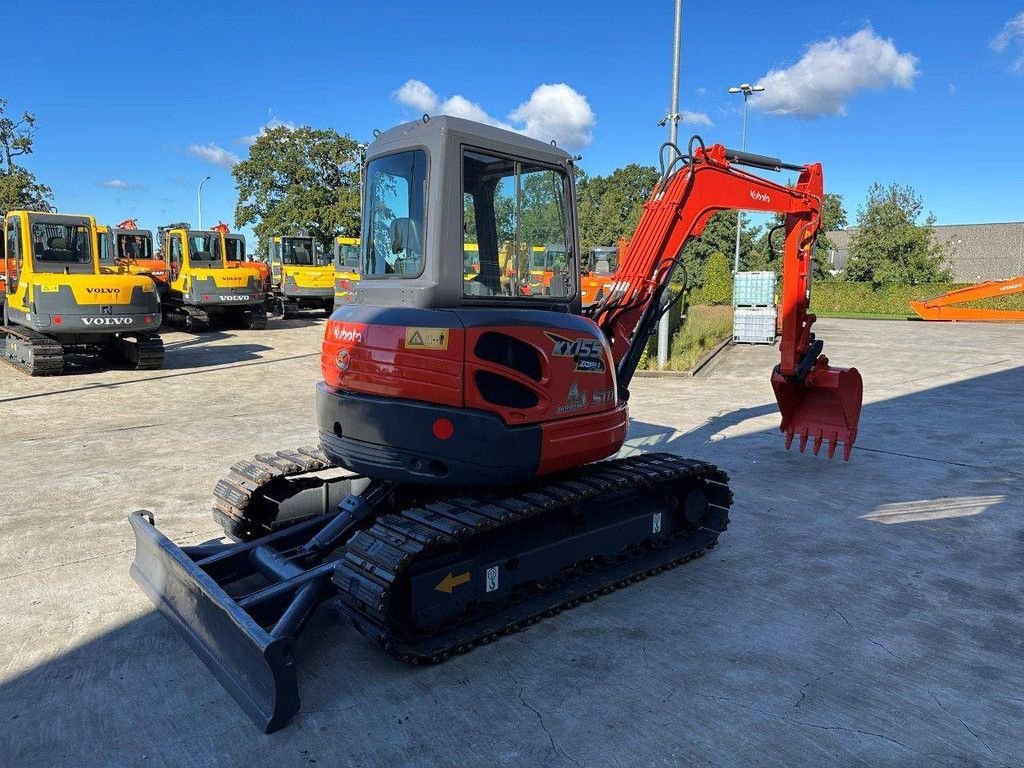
{"points": [[746, 89], [361, 149], [199, 199]]}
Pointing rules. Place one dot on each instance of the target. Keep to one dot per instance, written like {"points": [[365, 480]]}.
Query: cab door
{"points": [[276, 261], [175, 261], [13, 263]]}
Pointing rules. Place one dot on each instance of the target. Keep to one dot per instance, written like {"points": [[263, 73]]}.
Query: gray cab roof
{"points": [[434, 132]]}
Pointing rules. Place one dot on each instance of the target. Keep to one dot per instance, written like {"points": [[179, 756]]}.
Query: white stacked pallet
{"points": [[755, 312]]}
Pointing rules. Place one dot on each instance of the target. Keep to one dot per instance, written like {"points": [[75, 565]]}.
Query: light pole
{"points": [[672, 119], [199, 200], [746, 89], [361, 149]]}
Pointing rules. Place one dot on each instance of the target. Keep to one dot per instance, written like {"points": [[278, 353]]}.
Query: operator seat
{"points": [[405, 236], [57, 250]]}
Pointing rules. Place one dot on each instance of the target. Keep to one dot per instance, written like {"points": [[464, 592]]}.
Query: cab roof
{"points": [[434, 132]]}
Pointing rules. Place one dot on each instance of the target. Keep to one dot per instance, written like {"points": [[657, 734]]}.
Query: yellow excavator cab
{"points": [[346, 268]]}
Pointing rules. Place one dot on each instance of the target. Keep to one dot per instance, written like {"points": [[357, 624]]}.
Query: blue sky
{"points": [[123, 94]]}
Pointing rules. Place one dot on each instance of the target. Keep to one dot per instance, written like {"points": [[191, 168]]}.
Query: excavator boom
{"points": [[818, 402], [939, 307]]}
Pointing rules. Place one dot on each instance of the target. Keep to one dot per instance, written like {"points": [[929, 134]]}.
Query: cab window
{"points": [[61, 247], [515, 216], [392, 241]]}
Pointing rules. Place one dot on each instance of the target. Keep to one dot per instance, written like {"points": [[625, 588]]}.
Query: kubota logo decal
{"points": [[760, 197], [108, 320], [588, 354], [347, 334]]}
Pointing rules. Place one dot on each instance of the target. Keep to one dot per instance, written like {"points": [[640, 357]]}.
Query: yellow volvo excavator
{"points": [[60, 299], [204, 282], [301, 276]]}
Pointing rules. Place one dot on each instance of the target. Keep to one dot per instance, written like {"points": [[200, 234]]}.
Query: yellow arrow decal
{"points": [[450, 582]]}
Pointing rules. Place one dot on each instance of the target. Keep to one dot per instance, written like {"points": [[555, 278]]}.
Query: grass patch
{"points": [[704, 328]]}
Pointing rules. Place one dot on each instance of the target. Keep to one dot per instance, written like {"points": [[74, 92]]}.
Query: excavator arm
{"points": [[817, 402]]}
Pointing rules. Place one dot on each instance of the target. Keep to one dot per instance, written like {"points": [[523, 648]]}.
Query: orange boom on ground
{"points": [[938, 308]]}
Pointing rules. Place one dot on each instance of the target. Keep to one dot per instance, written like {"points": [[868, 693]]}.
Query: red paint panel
{"points": [[576, 374], [378, 363], [582, 439]]}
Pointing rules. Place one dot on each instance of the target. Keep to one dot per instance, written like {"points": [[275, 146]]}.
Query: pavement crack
{"points": [[882, 646], [540, 719], [842, 617], [970, 730]]}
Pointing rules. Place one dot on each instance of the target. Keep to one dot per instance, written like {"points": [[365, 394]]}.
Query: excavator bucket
{"points": [[823, 408], [189, 587]]}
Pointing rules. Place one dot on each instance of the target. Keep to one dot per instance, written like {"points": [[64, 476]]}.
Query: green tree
{"points": [[719, 236], [19, 189], [610, 206], [833, 218], [890, 246], [299, 179], [717, 279]]}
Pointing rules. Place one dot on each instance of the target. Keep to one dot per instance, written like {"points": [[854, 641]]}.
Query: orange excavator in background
{"points": [[597, 271], [133, 248], [939, 307], [481, 421]]}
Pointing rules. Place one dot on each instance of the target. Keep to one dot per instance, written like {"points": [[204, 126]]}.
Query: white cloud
{"points": [[831, 72], [213, 154], [1012, 35], [121, 184], [553, 111], [694, 118], [951, 88], [273, 122]]}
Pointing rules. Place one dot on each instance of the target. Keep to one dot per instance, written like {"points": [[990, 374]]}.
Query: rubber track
{"points": [[150, 352], [376, 557], [47, 353], [236, 493], [188, 318], [257, 318]]}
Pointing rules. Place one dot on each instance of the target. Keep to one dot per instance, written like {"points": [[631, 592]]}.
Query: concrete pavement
{"points": [[866, 613]]}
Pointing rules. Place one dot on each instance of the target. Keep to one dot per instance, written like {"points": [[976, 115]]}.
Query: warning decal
{"points": [[426, 338]]}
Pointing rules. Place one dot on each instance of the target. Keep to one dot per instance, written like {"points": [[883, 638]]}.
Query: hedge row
{"points": [[843, 297], [836, 298]]}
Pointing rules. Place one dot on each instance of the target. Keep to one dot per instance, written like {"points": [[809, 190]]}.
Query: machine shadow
{"points": [[124, 688], [222, 354]]}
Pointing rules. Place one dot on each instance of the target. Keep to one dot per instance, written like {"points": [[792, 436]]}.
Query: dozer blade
{"points": [[823, 408], [254, 667]]}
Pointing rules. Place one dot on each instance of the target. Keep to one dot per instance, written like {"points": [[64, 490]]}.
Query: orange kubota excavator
{"points": [[480, 422], [940, 307]]}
